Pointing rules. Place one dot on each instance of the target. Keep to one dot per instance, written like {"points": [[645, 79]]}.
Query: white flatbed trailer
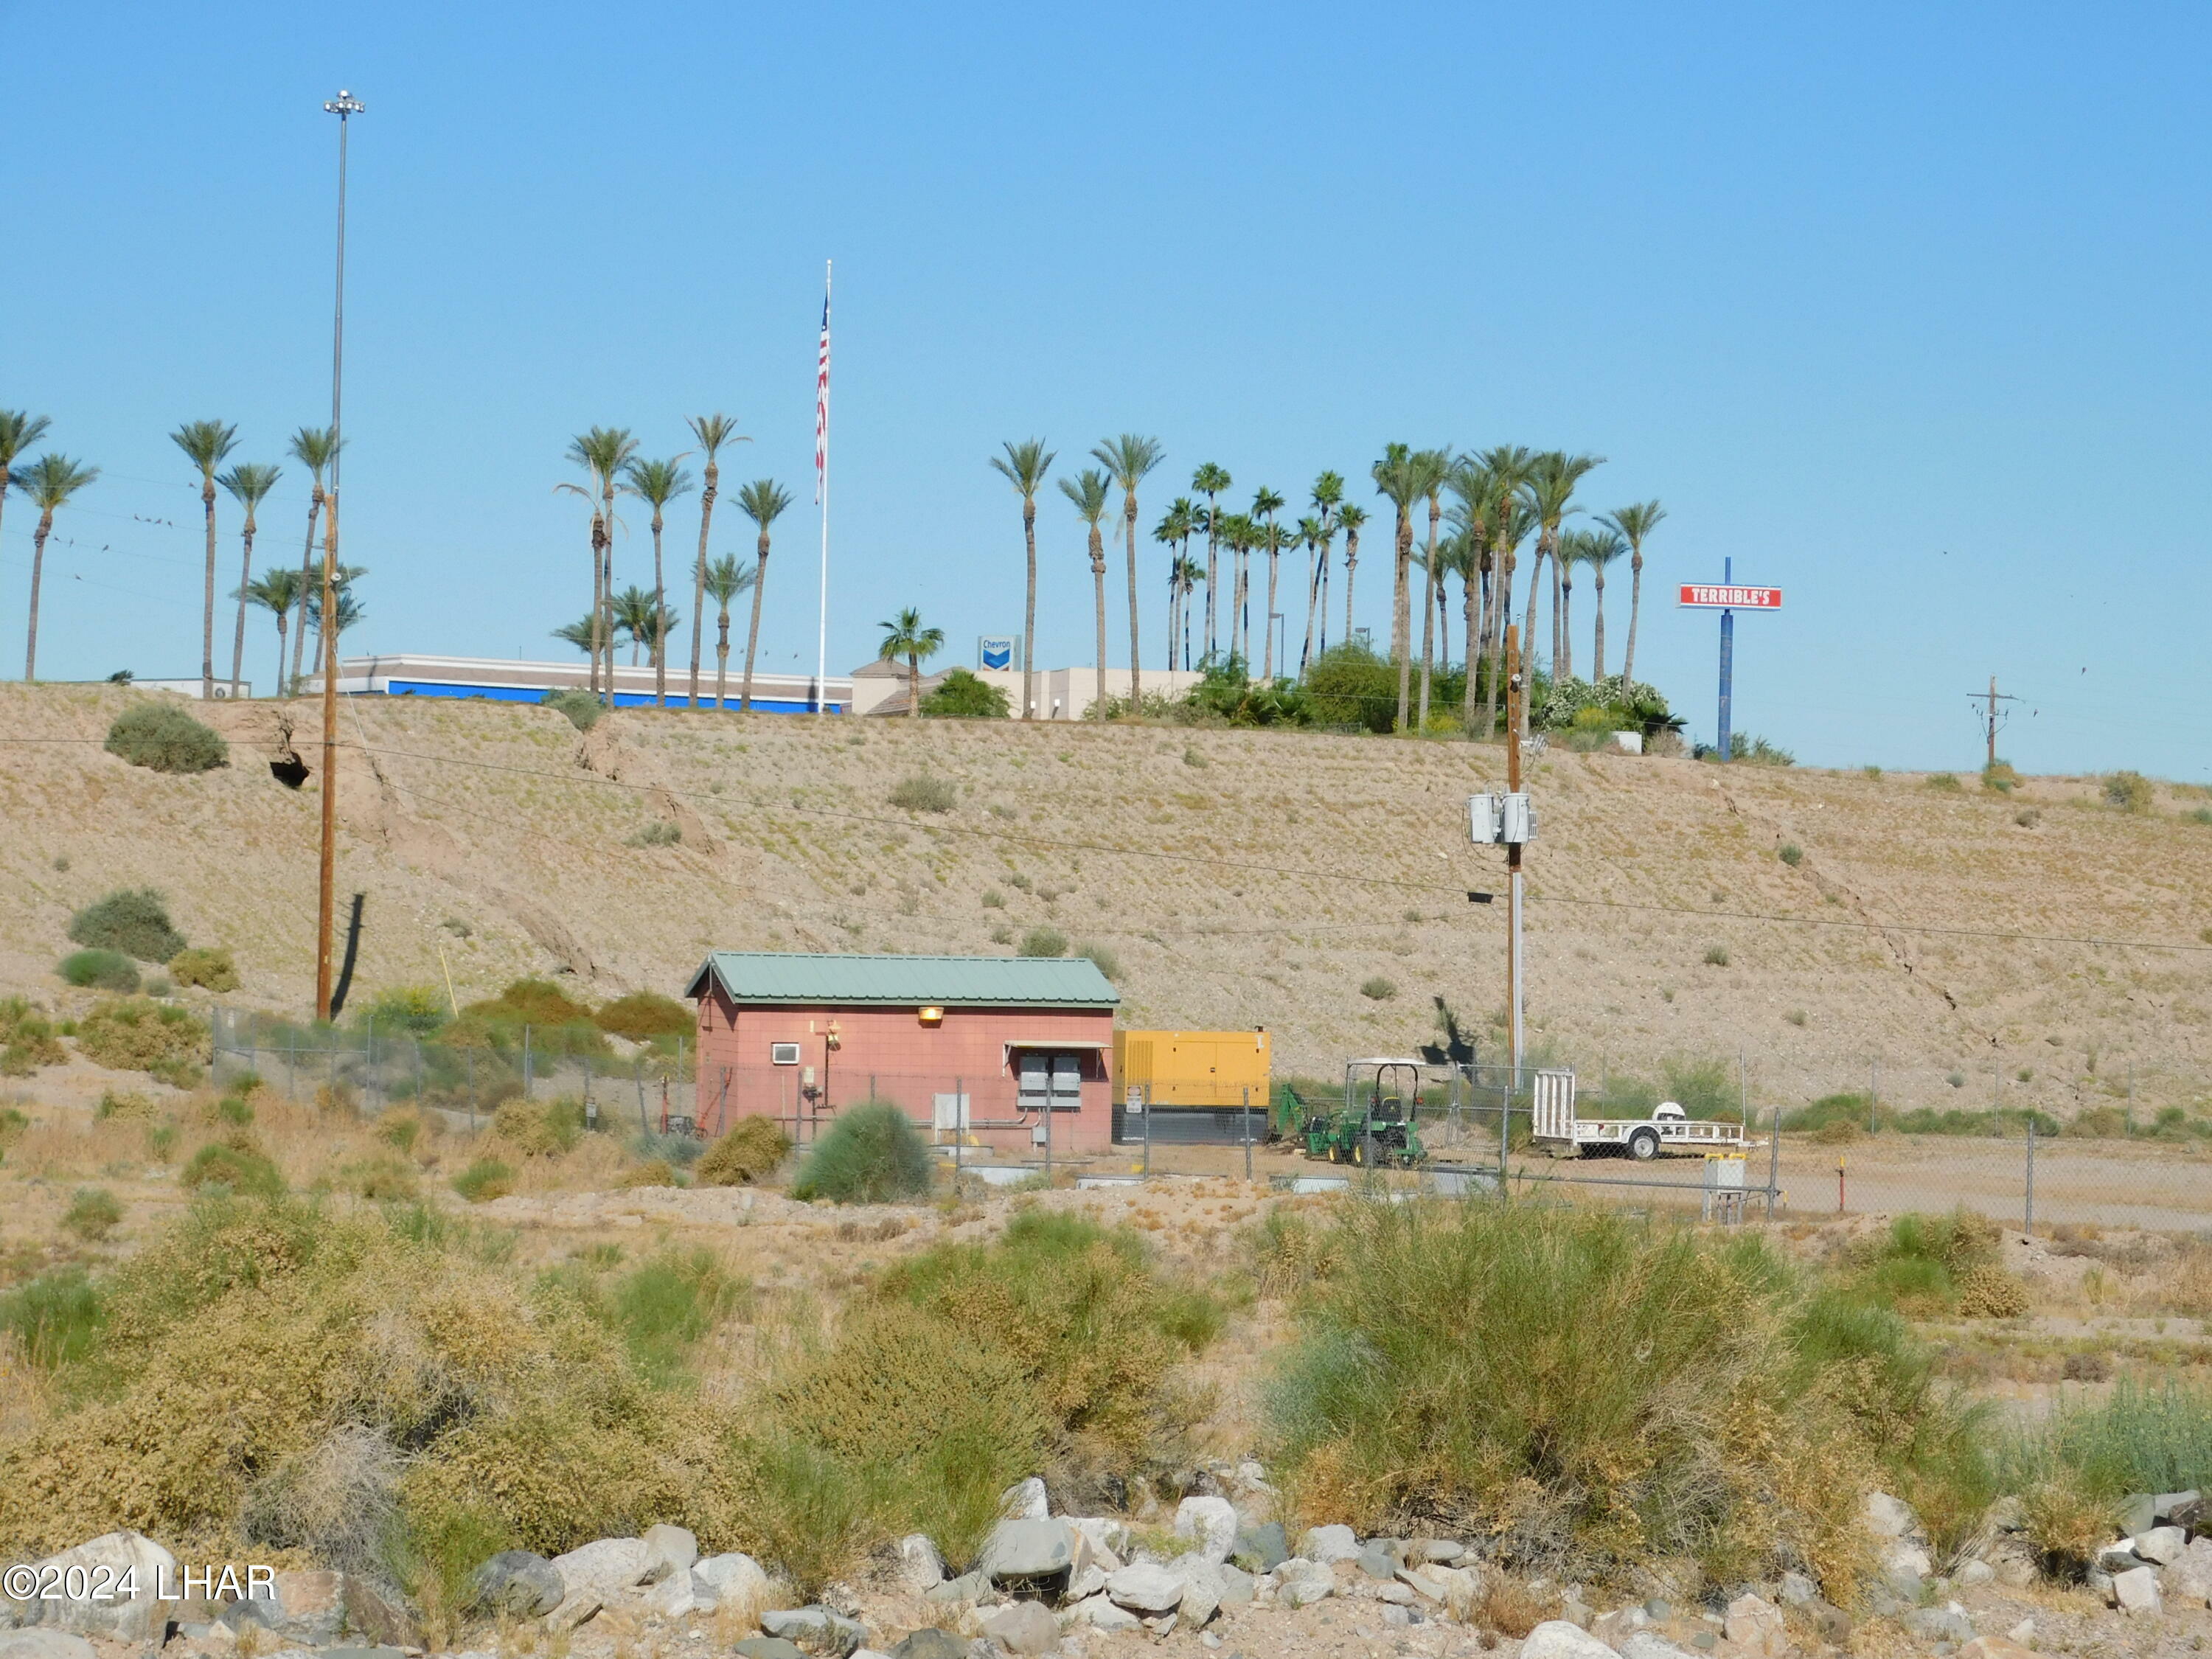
{"points": [[1669, 1129]]}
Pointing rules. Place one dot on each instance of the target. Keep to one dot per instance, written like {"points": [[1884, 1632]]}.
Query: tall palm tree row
{"points": [[1210, 481], [712, 431], [1633, 522], [1088, 490], [763, 501], [656, 483], [1351, 516], [1173, 532], [726, 580], [1396, 480], [1025, 465], [207, 445], [1127, 460], [1431, 467], [49, 481], [249, 483], [905, 636]]}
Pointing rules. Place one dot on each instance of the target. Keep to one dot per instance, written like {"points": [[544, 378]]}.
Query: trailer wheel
{"points": [[1643, 1144]]}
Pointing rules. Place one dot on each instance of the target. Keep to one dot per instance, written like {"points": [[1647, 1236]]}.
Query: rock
{"points": [[2119, 1558], [681, 1594], [1754, 1625], [1108, 1537], [775, 1647], [929, 1642], [1236, 1586], [674, 1544], [1645, 1644], [1797, 1591], [2190, 1578], [1889, 1518], [816, 1629], [1422, 1585], [1444, 1551], [2002, 1647], [517, 1583], [1555, 1638], [43, 1644], [1974, 1572], [734, 1578], [1304, 1592], [320, 1609], [2008, 1514], [1261, 1548], [2161, 1546], [1023, 1627], [1210, 1523], [1396, 1595], [114, 1559], [2135, 1591], [1025, 1500], [1330, 1545], [2178, 1509], [2138, 1512], [870, 1653], [1030, 1548], [921, 1567], [968, 1587], [1146, 1588], [1396, 1615], [1201, 1592], [1377, 1562], [1100, 1613], [1939, 1624], [609, 1568]]}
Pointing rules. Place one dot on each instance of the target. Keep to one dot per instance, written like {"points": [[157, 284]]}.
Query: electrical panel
{"points": [[1492, 820], [1482, 819]]}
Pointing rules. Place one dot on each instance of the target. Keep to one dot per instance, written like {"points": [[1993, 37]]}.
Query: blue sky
{"points": [[1900, 307]]}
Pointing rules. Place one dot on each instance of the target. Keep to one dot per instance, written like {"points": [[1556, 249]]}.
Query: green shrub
{"points": [[921, 793], [641, 1015], [1378, 988], [1349, 685], [1792, 854], [753, 1148], [539, 1128], [1999, 778], [664, 1306], [1943, 782], [1845, 1108], [163, 738], [1707, 1088], [961, 694], [100, 970], [55, 1319], [2130, 791], [994, 899], [1102, 958], [1042, 941], [208, 967], [383, 1180], [130, 1034], [237, 1164], [1750, 751], [873, 1154], [417, 1010], [583, 708], [1716, 955], [132, 919], [659, 833], [12, 1125], [484, 1180], [27, 1039], [93, 1213]]}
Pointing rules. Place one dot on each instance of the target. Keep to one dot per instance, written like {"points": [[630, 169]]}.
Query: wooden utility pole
{"points": [[1992, 720], [1515, 692], [345, 106]]}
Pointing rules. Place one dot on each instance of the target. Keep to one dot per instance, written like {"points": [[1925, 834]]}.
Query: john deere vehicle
{"points": [[1376, 1125]]}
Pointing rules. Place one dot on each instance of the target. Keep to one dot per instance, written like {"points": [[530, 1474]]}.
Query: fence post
{"points": [[637, 1076], [368, 1082], [1145, 1110], [527, 1077], [2027, 1225], [1774, 1162], [1248, 1135]]}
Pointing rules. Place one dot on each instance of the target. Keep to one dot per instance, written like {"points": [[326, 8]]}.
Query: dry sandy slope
{"points": [[1240, 879]]}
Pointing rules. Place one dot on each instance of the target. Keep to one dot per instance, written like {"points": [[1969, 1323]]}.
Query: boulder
{"points": [[1330, 1545], [735, 1576], [1889, 1518], [1645, 1644], [1031, 1548], [675, 1546], [1025, 1500], [681, 1594], [122, 1560], [1444, 1551], [2138, 1512], [816, 1629], [1108, 1538], [1201, 1590], [1975, 1571], [43, 1644], [1392, 1594], [1304, 1592], [1754, 1625], [929, 1642], [1555, 1638], [1023, 1627], [1946, 1624], [921, 1567], [516, 1584], [1236, 1589], [2135, 1590], [2178, 1509], [768, 1647], [1797, 1591], [2190, 1578], [1261, 1548], [1377, 1561], [1100, 1613], [315, 1608], [1144, 1588], [1422, 1584], [608, 1567], [968, 1587], [1210, 1523], [1085, 1582], [2161, 1546]]}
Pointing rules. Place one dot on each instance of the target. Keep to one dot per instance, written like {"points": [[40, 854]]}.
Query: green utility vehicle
{"points": [[1377, 1124]]}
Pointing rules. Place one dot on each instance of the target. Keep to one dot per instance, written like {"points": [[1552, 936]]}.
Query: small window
{"points": [[783, 1053]]}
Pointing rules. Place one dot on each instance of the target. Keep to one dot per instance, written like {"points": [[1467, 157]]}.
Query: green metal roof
{"points": [[777, 976]]}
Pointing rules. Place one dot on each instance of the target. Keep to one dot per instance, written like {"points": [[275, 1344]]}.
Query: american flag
{"points": [[822, 409]]}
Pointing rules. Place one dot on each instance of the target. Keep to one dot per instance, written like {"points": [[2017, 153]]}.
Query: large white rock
{"points": [[1109, 1539], [1022, 1627], [1100, 1613], [1025, 1500], [1029, 1548], [735, 1577], [1201, 1590], [2135, 1590], [677, 1546], [921, 1567], [2190, 1578], [1147, 1588], [609, 1567], [2161, 1546], [1330, 1545], [1889, 1518], [681, 1594], [1755, 1625], [116, 1560], [1555, 1638], [1210, 1523]]}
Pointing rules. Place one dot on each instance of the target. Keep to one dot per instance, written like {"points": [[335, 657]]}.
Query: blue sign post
{"points": [[1727, 661], [1728, 598]]}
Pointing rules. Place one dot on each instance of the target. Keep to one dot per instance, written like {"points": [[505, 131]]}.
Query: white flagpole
{"points": [[822, 636]]}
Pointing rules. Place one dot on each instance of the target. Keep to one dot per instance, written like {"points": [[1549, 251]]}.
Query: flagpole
{"points": [[822, 636]]}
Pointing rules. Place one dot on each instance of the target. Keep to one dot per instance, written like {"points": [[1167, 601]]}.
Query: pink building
{"points": [[981, 1046]]}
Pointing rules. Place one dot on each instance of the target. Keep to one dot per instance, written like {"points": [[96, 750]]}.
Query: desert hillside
{"points": [[1233, 878]]}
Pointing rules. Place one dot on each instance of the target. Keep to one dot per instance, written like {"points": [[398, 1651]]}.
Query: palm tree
{"points": [[646, 621], [1308, 536], [1240, 535], [1128, 459], [581, 633], [905, 636], [278, 592], [1328, 496], [726, 580], [1471, 517], [1550, 487], [1266, 503], [49, 481], [1210, 481], [1394, 478], [712, 431], [1633, 524], [1188, 573], [603, 453], [762, 500], [656, 483], [1087, 490], [249, 483], [313, 448], [1505, 469], [1025, 465], [207, 445], [1431, 468], [1173, 532], [1568, 555], [1599, 548], [19, 430], [1351, 516], [345, 611]]}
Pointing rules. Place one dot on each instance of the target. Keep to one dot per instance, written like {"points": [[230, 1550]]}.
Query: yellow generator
{"points": [[1191, 1068]]}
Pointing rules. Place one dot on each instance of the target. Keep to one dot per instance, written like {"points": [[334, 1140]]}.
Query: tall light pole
{"points": [[345, 106]]}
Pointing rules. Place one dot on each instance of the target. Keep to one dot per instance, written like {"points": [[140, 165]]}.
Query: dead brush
{"points": [[1503, 1606]]}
